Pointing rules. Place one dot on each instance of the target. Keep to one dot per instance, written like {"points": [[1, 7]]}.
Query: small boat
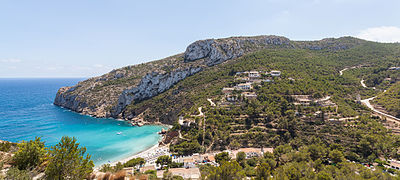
{"points": [[119, 133]]}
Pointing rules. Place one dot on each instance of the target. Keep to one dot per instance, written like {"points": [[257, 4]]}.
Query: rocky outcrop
{"points": [[69, 101], [151, 85], [216, 51]]}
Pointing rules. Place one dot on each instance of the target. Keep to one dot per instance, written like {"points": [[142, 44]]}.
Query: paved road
{"points": [[369, 105]]}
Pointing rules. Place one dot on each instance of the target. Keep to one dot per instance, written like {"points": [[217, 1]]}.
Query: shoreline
{"points": [[145, 151], [141, 153], [117, 119], [138, 154]]}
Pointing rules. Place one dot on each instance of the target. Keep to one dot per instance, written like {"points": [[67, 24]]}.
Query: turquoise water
{"points": [[27, 111]]}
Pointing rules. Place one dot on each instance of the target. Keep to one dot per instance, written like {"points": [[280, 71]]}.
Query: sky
{"points": [[86, 38]]}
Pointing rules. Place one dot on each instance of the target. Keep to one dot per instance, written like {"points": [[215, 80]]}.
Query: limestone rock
{"points": [[151, 85], [217, 51]]}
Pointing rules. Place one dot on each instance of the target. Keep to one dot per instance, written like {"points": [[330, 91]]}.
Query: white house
{"points": [[254, 74], [181, 120], [249, 95], [227, 90], [275, 73], [243, 86]]}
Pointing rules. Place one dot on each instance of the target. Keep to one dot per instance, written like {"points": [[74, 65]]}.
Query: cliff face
{"points": [[151, 85], [220, 50], [109, 95]]}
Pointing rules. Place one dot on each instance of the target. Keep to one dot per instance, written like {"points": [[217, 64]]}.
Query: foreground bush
{"points": [[66, 161]]}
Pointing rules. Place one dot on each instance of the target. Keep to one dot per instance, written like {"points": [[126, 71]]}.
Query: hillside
{"points": [[390, 100], [133, 91], [301, 98]]}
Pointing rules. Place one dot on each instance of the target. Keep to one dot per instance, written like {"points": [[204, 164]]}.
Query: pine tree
{"points": [[66, 161]]}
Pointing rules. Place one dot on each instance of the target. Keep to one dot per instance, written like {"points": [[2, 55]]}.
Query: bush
{"points": [[29, 154], [66, 161], [15, 173]]}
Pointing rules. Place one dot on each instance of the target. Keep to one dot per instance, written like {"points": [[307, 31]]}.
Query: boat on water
{"points": [[119, 133]]}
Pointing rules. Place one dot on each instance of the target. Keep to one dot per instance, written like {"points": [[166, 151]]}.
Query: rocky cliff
{"points": [[110, 94], [219, 50], [151, 85]]}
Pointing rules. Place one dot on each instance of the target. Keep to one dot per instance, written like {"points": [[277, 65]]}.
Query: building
{"points": [[394, 164], [191, 173], [304, 100], [254, 75], [275, 73], [187, 123], [325, 102], [181, 120], [189, 162], [231, 98], [249, 95], [227, 90], [394, 68], [243, 86], [129, 171], [252, 152], [146, 168]]}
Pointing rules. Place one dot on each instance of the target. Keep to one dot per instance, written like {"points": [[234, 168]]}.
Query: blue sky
{"points": [[84, 38]]}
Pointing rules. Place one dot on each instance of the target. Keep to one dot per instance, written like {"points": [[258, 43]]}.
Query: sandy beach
{"points": [[139, 154], [148, 154]]}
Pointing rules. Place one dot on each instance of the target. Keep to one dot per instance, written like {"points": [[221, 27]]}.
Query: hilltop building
{"points": [[275, 73]]}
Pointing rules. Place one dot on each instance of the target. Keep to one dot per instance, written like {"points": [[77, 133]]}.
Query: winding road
{"points": [[366, 102], [369, 105]]}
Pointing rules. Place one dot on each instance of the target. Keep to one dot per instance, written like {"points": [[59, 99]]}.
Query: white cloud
{"points": [[10, 60], [381, 34]]}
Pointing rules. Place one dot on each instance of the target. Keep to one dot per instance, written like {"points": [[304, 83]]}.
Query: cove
{"points": [[27, 111]]}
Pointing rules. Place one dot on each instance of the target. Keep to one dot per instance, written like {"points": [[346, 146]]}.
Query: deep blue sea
{"points": [[27, 111]]}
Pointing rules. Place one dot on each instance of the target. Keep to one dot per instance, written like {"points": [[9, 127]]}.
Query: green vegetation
{"points": [[288, 162], [222, 157], [272, 119], [66, 161], [6, 146], [164, 161], [62, 161], [119, 166], [310, 141], [30, 154], [390, 100], [15, 173]]}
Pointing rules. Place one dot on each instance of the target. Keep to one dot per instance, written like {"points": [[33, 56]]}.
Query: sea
{"points": [[27, 111]]}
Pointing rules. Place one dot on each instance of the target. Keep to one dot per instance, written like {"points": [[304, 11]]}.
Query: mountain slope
{"points": [[126, 93], [390, 100]]}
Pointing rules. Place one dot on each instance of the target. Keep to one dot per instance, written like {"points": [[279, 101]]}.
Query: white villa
{"points": [[249, 95], [243, 86], [275, 73], [254, 74]]}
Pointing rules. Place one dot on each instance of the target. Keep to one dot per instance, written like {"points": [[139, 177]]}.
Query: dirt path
{"points": [[200, 113], [363, 84], [353, 67], [211, 102], [341, 71]]}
